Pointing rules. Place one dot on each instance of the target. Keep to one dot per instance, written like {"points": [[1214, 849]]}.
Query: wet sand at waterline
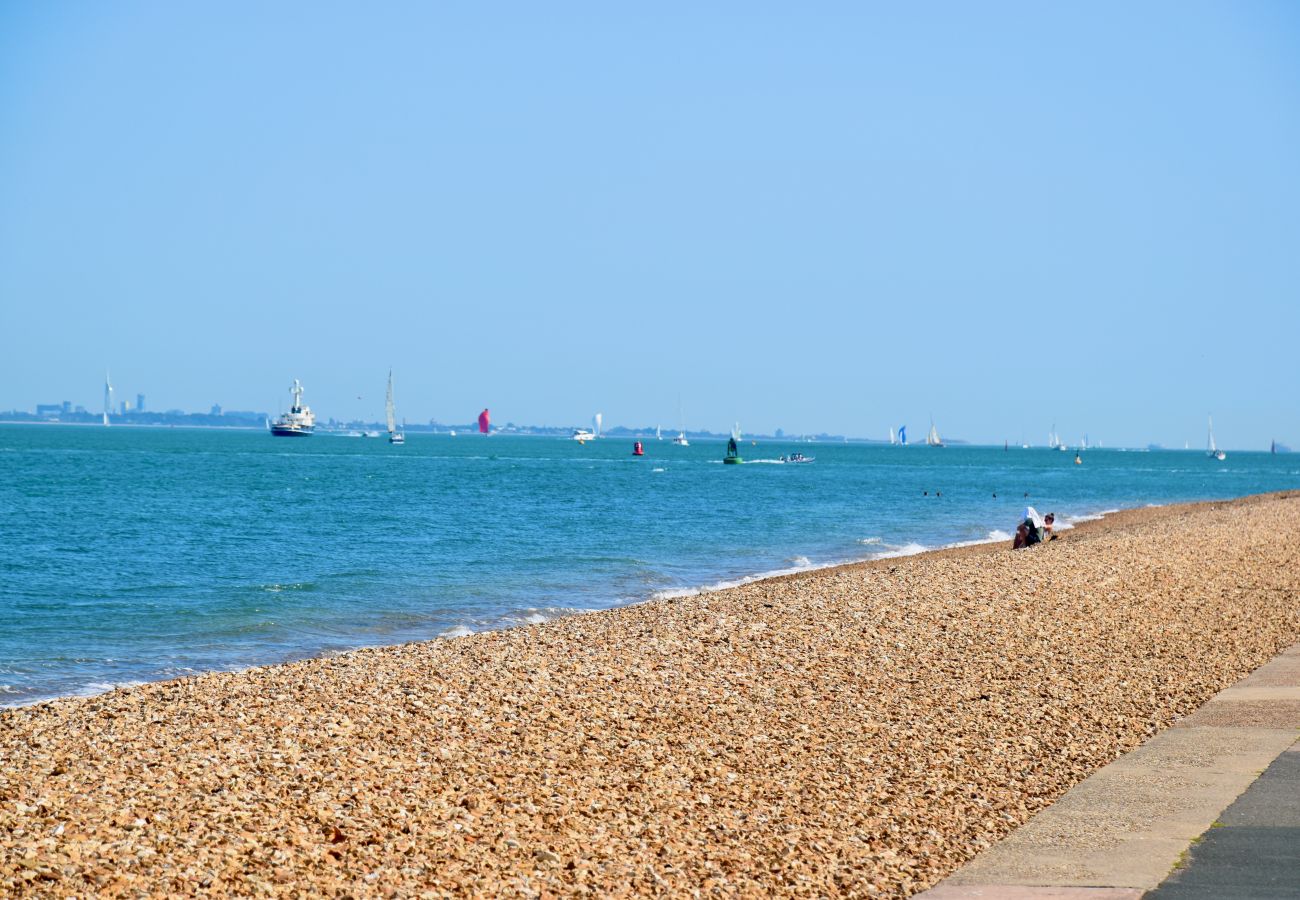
{"points": [[858, 731]]}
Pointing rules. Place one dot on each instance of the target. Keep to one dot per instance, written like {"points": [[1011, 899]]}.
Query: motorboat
{"points": [[299, 421]]}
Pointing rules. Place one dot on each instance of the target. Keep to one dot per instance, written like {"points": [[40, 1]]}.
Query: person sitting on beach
{"points": [[1034, 530]]}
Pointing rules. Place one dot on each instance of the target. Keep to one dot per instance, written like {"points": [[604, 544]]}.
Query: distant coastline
{"points": [[257, 421]]}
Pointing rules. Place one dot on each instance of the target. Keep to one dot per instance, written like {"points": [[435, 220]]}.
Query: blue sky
{"points": [[841, 217]]}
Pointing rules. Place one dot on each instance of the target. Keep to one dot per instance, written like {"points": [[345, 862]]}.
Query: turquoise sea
{"points": [[134, 554]]}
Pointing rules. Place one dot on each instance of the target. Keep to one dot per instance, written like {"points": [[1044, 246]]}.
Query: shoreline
{"points": [[455, 632], [861, 729]]}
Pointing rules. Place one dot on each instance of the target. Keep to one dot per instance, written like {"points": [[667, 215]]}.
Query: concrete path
{"points": [[1253, 851], [1121, 832]]}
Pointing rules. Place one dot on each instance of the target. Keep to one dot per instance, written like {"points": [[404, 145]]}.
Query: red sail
{"points": [[484, 423]]}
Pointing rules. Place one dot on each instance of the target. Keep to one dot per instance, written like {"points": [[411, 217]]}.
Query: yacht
{"points": [[299, 421], [582, 435], [1212, 449], [394, 436]]}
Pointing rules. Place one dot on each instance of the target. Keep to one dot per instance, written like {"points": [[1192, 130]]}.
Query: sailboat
{"points": [[108, 397], [1054, 441], [932, 439], [902, 435], [1211, 449], [680, 440], [394, 436], [892, 439], [659, 433], [595, 424]]}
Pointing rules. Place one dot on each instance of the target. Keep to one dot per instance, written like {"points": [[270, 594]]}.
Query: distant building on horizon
{"points": [[139, 402]]}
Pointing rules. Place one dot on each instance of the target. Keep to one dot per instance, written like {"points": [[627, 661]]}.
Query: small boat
{"points": [[797, 458], [1054, 440], [394, 436], [637, 449], [299, 421], [108, 398], [680, 440], [370, 434], [582, 435], [932, 439], [1212, 449]]}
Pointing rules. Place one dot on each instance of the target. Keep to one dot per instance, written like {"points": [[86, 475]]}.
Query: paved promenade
{"points": [[1209, 808]]}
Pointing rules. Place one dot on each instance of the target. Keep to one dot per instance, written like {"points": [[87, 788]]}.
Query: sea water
{"points": [[135, 554]]}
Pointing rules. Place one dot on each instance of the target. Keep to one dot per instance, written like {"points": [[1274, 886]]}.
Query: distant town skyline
{"points": [[253, 418], [1004, 216]]}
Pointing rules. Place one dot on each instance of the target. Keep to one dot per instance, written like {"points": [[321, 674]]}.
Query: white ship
{"points": [[299, 421]]}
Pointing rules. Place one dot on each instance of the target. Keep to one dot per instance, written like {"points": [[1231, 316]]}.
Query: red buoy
{"points": [[637, 449]]}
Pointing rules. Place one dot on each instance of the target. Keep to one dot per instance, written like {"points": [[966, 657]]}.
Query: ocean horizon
{"points": [[141, 554]]}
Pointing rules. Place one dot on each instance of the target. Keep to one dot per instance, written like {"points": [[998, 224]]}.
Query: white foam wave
{"points": [[998, 534], [806, 566], [103, 687], [869, 540], [458, 631], [908, 549]]}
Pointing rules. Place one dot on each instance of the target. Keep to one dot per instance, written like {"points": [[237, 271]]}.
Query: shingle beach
{"points": [[858, 731]]}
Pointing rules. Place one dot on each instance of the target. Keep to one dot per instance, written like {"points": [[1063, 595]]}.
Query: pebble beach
{"points": [[855, 731]]}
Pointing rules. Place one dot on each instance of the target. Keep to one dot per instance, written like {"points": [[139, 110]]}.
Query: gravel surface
{"points": [[857, 731]]}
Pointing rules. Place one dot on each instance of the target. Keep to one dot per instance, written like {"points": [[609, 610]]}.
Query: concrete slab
{"points": [[1127, 825], [1020, 892], [1131, 823], [1246, 713]]}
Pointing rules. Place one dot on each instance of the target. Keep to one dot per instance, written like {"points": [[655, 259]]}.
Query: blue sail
{"points": [[902, 434]]}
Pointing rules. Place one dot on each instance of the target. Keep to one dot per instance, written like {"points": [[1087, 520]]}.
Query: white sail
{"points": [[389, 412], [932, 439], [659, 433], [735, 431], [1212, 449], [595, 423], [108, 398], [892, 438]]}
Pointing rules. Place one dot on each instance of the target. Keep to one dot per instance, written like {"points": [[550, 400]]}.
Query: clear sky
{"points": [[834, 217]]}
